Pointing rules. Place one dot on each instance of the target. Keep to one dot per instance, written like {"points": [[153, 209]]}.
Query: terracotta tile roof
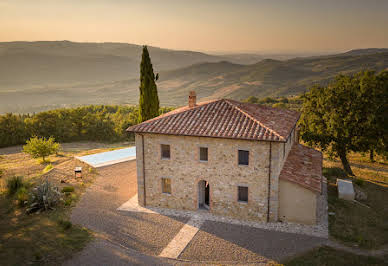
{"points": [[303, 166], [224, 119]]}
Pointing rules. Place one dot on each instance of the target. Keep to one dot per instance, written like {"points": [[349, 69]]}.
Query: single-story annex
{"points": [[229, 158]]}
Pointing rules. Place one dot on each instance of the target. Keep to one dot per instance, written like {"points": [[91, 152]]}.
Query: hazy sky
{"points": [[211, 25]]}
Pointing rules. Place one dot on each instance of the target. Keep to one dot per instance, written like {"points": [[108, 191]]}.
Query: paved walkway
{"points": [[132, 236], [182, 239]]}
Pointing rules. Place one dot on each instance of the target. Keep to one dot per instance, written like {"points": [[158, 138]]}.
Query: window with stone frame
{"points": [[243, 157], [203, 154], [165, 151], [166, 185], [242, 194]]}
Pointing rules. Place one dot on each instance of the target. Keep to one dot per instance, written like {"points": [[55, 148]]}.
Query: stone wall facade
{"points": [[221, 171]]}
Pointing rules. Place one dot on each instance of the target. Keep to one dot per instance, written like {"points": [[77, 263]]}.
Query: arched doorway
{"points": [[203, 195]]}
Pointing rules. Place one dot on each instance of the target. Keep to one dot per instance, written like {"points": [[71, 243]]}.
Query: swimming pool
{"points": [[109, 157]]}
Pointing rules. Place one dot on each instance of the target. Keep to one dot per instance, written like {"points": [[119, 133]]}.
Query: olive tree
{"points": [[345, 116], [41, 147]]}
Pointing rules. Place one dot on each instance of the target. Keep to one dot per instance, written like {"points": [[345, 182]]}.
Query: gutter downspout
{"points": [[269, 180], [144, 185]]}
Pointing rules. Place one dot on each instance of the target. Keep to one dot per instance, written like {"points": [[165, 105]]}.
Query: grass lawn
{"points": [[364, 225], [357, 225], [326, 256], [46, 238]]}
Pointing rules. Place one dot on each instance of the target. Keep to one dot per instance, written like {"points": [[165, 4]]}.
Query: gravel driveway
{"points": [[138, 238], [125, 237], [103, 252], [220, 241]]}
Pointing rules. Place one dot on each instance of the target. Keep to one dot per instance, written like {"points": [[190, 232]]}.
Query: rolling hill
{"points": [[265, 78], [36, 76]]}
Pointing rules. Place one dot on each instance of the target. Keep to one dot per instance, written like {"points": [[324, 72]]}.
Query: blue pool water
{"points": [[109, 157]]}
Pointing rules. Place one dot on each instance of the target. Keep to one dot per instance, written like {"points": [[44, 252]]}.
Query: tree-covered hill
{"points": [[93, 123]]}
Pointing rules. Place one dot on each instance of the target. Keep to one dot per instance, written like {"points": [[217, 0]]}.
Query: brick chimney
{"points": [[192, 99]]}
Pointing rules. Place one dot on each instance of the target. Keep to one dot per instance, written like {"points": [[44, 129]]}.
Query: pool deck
{"points": [[109, 158], [126, 159]]}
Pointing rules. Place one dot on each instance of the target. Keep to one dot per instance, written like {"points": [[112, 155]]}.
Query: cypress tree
{"points": [[149, 100]]}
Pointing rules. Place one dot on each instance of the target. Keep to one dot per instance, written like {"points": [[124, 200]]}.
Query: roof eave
{"points": [[203, 136]]}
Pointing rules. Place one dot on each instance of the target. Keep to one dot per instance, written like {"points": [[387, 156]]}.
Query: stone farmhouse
{"points": [[228, 158]]}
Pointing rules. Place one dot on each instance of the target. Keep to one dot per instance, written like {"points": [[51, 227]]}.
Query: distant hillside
{"points": [[249, 58], [265, 78], [63, 62], [36, 76], [366, 51]]}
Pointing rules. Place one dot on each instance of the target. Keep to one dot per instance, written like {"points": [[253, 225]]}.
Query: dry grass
{"points": [[41, 238], [363, 168], [363, 225]]}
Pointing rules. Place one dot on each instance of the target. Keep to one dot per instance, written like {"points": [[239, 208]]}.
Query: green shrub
{"points": [[65, 224], [70, 197], [279, 105], [252, 99], [67, 189], [268, 100], [283, 100], [48, 168], [44, 197], [22, 196], [68, 201], [13, 184], [359, 182]]}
